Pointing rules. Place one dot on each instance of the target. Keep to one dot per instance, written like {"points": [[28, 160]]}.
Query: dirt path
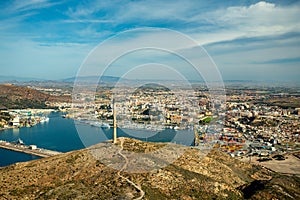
{"points": [[142, 193]]}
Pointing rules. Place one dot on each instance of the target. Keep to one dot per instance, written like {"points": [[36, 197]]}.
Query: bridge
{"points": [[28, 149]]}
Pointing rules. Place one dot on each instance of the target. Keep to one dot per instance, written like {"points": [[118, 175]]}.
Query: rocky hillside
{"points": [[80, 175], [20, 97]]}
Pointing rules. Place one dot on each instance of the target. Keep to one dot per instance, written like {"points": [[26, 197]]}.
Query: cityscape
{"points": [[149, 99], [252, 122], [256, 125]]}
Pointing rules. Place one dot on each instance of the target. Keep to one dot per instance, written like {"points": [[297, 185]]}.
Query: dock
{"points": [[28, 149]]}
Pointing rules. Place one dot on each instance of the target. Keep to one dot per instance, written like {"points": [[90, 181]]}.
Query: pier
{"points": [[28, 149]]}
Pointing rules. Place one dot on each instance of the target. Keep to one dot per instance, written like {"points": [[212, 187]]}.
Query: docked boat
{"points": [[100, 125], [19, 141], [105, 125], [44, 119]]}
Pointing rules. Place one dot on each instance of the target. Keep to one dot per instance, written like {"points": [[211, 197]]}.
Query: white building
{"points": [[16, 121], [33, 147]]}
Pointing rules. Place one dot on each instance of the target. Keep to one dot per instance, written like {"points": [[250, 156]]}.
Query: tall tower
{"points": [[115, 122], [196, 138]]}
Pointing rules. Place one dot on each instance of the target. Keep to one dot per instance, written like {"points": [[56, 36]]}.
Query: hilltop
{"points": [[79, 175]]}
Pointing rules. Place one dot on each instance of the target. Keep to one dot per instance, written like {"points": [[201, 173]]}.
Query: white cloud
{"points": [[90, 21], [224, 23], [14, 14], [80, 12], [13, 22], [240, 65], [87, 21], [260, 19], [18, 6], [155, 10], [86, 9]]}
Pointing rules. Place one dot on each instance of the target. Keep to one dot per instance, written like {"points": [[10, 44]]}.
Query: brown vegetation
{"points": [[20, 97], [79, 175]]}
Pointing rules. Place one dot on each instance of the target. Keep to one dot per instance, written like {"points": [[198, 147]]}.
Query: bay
{"points": [[62, 134]]}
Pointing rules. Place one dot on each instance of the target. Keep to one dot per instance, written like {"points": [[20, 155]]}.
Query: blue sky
{"points": [[248, 40]]}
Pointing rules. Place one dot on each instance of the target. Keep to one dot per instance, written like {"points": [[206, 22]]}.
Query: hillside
{"points": [[79, 175], [20, 97]]}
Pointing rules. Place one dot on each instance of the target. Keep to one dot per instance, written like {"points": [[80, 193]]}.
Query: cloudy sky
{"points": [[247, 40]]}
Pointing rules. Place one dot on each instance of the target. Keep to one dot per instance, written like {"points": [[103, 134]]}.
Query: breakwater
{"points": [[28, 149]]}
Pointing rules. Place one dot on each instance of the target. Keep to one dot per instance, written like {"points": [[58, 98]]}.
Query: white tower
{"points": [[115, 123]]}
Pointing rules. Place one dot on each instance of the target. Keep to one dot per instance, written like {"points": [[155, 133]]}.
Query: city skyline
{"points": [[247, 40]]}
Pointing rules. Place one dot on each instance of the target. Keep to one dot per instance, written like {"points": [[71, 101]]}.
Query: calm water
{"points": [[9, 157], [63, 135]]}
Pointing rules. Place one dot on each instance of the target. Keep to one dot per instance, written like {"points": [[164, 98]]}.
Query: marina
{"points": [[58, 135]]}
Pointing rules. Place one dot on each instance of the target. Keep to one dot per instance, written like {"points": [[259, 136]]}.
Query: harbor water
{"points": [[62, 134], [8, 157]]}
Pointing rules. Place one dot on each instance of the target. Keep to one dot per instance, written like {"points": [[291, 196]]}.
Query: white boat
{"points": [[44, 119], [105, 125], [19, 141], [101, 125]]}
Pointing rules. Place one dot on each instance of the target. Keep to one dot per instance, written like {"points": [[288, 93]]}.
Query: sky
{"points": [[247, 40]]}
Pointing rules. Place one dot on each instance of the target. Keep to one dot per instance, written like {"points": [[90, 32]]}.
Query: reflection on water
{"points": [[16, 132], [90, 135]]}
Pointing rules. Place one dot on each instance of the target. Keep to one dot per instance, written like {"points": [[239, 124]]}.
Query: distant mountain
{"points": [[12, 79], [238, 81], [91, 79], [79, 175]]}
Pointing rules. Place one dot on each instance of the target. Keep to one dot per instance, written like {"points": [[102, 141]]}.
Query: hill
{"points": [[79, 175], [20, 97]]}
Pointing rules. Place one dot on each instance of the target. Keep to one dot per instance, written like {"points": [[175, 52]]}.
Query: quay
{"points": [[28, 149]]}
